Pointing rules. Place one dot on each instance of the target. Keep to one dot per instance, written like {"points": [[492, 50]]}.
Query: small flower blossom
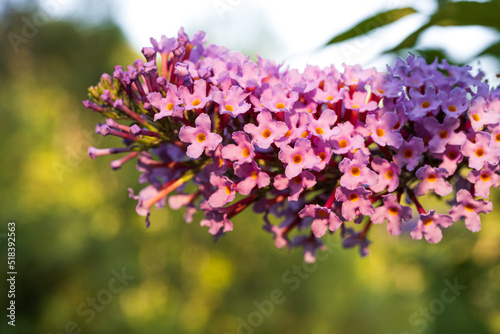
{"points": [[432, 179], [304, 180], [242, 152], [429, 226], [198, 98], [268, 131], [479, 152], [388, 175], [224, 191], [323, 219], [322, 127], [393, 212], [356, 172], [298, 158], [252, 176], [346, 139], [409, 153], [484, 179], [455, 103], [469, 209], [279, 99], [382, 130], [444, 134], [421, 105], [199, 137], [232, 102], [354, 202]]}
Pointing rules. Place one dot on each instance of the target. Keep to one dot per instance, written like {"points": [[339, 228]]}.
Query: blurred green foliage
{"points": [[76, 225]]}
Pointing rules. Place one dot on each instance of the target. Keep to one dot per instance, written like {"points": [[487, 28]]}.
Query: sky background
{"points": [[294, 35]]}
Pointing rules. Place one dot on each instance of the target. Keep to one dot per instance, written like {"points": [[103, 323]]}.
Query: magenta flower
{"points": [[421, 105], [346, 140], [322, 127], [224, 192], [444, 134], [268, 131], [198, 98], [358, 100], [169, 105], [484, 179], [451, 157], [480, 116], [279, 99], [388, 175], [382, 129], [252, 176], [409, 153], [354, 202], [469, 209], [232, 102], [280, 235], [304, 180], [323, 219], [323, 151], [354, 239], [300, 157], [393, 212], [356, 172], [216, 220], [329, 92], [297, 126], [199, 137], [479, 151], [310, 245], [432, 179], [242, 152], [455, 103], [429, 226]]}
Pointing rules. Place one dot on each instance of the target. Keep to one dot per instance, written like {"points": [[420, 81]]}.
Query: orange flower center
{"points": [[228, 190], [479, 152], [319, 131], [428, 221], [380, 132], [485, 177], [452, 108], [408, 154], [389, 174], [229, 107], [266, 133], [443, 134], [355, 171], [353, 197], [469, 207], [170, 106], [201, 137], [431, 178], [426, 104], [297, 158], [196, 102], [254, 174], [343, 143], [322, 213], [322, 155], [280, 105], [393, 211], [245, 152]]}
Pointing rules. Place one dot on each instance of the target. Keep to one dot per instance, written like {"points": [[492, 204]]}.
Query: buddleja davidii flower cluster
{"points": [[323, 150]]}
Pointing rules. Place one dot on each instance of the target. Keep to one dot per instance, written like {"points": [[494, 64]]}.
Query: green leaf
{"points": [[377, 21]]}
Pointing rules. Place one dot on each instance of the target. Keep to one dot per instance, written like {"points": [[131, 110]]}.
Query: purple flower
{"points": [[469, 209], [454, 103], [393, 212], [321, 127], [224, 192], [356, 172], [409, 153], [382, 129], [329, 91], [252, 176], [428, 226], [354, 239], [346, 140], [216, 220], [232, 102], [323, 151], [297, 125], [279, 99], [323, 219], [304, 180], [479, 152], [354, 202], [420, 105], [444, 134], [311, 246], [358, 100], [432, 179], [480, 115], [199, 137], [388, 175], [280, 235], [268, 131], [451, 157], [168, 105], [299, 157], [484, 179], [198, 98], [241, 153]]}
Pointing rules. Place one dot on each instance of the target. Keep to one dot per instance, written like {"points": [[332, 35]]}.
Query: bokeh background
{"points": [[77, 229]]}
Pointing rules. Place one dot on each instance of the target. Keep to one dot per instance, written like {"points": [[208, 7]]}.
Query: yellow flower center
{"points": [[229, 107], [355, 171], [322, 156], [431, 178], [288, 133], [266, 133], [443, 134], [201, 137], [469, 207], [297, 158], [381, 91], [319, 131], [245, 152], [479, 152], [343, 143], [426, 104], [228, 190], [428, 221], [170, 106], [353, 197], [475, 117], [305, 134], [380, 132], [393, 210], [355, 106], [389, 174], [408, 154], [254, 174], [280, 105], [196, 102], [497, 137], [452, 108], [485, 177]]}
